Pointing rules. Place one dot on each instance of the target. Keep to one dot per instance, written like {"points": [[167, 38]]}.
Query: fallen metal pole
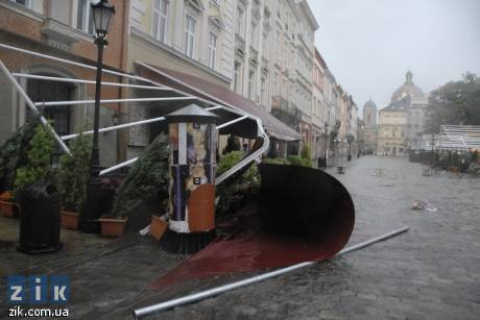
{"points": [[142, 312]]}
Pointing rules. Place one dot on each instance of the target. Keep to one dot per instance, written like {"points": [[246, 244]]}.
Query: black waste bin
{"points": [[40, 219]]}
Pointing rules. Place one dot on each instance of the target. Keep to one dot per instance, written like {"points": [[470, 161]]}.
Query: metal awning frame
{"points": [[12, 77]]}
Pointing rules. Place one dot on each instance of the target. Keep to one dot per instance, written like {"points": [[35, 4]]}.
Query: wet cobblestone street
{"points": [[430, 272]]}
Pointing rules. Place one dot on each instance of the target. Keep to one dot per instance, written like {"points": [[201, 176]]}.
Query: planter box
{"points": [[69, 219], [9, 209], [157, 227], [113, 228]]}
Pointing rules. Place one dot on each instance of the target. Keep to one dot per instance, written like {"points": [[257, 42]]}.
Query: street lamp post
{"points": [[102, 13]]}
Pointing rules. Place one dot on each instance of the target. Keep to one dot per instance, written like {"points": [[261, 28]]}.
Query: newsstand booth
{"points": [[192, 162]]}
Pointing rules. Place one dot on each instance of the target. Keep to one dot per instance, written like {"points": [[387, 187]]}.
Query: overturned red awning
{"points": [[219, 95]]}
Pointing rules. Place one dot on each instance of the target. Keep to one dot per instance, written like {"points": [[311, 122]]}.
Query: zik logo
{"points": [[34, 289]]}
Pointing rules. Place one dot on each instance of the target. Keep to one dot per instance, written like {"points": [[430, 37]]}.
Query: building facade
{"points": [[392, 128], [64, 29], [319, 109], [408, 104], [291, 64], [370, 127]]}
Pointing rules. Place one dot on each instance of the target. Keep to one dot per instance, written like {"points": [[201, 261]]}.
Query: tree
{"points": [[455, 103]]}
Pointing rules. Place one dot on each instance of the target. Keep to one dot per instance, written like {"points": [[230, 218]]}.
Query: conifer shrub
{"points": [[73, 174], [146, 185]]}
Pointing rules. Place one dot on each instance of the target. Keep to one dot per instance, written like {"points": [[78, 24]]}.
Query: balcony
{"points": [[286, 111]]}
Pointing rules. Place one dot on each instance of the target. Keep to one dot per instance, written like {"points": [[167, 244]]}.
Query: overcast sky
{"points": [[370, 44]]}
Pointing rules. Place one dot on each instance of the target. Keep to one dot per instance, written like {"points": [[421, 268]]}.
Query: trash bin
{"points": [[40, 219]]}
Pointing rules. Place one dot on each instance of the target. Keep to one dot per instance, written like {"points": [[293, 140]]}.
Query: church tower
{"points": [[370, 114], [370, 130]]}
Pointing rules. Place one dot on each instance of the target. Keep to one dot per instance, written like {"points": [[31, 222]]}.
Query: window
{"points": [[26, 3], [263, 94], [265, 44], [275, 83], [240, 26], [237, 77], [251, 85], [254, 35], [212, 51], [40, 90], [160, 14], [190, 25], [84, 16]]}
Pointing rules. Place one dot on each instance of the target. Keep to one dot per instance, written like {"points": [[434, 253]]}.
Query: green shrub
{"points": [[277, 161], [306, 152], [38, 161], [299, 161], [146, 183], [238, 190], [228, 161], [73, 174], [13, 153]]}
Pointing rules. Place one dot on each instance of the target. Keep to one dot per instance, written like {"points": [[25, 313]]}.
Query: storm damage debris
{"points": [[423, 206]]}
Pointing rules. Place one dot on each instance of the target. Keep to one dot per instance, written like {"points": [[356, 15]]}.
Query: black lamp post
{"points": [[102, 13]]}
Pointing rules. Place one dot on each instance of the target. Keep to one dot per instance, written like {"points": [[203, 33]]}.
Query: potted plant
{"points": [[112, 227], [159, 223], [8, 208], [13, 154], [72, 180], [37, 165]]}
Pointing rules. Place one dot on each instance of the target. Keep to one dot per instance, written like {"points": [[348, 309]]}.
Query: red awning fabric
{"points": [[218, 95]]}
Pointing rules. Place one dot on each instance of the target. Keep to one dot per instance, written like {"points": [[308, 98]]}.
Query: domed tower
{"points": [[408, 89], [370, 114]]}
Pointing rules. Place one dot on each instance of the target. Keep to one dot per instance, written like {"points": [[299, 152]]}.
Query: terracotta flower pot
{"points": [[69, 219], [113, 228], [9, 209], [157, 227], [6, 196]]}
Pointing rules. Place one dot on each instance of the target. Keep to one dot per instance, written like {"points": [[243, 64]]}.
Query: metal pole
{"points": [[231, 122], [78, 64], [89, 220], [95, 163], [142, 312], [123, 126], [118, 166], [105, 84], [70, 103]]}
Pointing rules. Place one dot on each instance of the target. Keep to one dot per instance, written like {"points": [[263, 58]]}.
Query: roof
{"points": [[370, 104], [222, 96], [408, 88], [400, 105], [192, 113], [452, 137]]}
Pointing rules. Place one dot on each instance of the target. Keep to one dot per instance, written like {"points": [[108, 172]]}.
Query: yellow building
{"points": [[392, 130]]}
